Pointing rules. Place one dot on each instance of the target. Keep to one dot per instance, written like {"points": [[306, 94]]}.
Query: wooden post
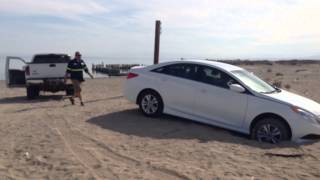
{"points": [[157, 42]]}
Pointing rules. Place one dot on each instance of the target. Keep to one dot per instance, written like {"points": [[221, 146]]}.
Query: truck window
{"points": [[52, 58]]}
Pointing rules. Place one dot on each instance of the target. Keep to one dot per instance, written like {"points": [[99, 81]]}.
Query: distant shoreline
{"points": [[238, 62], [268, 62]]}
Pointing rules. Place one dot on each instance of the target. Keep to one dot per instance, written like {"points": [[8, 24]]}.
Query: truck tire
{"points": [[32, 91], [69, 90]]}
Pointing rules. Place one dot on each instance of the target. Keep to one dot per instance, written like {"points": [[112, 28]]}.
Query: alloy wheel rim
{"points": [[149, 104], [269, 133]]}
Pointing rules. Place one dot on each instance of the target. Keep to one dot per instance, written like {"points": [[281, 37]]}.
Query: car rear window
{"points": [[52, 58]]}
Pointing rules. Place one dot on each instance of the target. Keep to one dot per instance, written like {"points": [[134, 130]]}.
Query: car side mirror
{"points": [[237, 88]]}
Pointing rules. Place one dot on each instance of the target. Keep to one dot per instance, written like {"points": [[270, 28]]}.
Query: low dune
{"points": [[109, 138]]}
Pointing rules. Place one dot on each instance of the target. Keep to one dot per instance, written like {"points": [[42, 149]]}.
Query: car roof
{"points": [[216, 64]]}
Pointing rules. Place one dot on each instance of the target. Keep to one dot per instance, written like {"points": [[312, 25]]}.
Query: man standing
{"points": [[75, 72]]}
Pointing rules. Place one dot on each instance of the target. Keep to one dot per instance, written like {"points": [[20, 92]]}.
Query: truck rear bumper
{"points": [[28, 78], [34, 81], [50, 85]]}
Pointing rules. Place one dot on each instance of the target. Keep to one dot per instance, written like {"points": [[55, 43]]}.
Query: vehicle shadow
{"points": [[24, 100], [103, 99], [132, 122]]}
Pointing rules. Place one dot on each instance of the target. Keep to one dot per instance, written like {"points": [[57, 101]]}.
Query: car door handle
{"points": [[203, 91], [52, 65]]}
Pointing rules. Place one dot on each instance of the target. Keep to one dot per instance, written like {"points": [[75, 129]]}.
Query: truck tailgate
{"points": [[54, 70]]}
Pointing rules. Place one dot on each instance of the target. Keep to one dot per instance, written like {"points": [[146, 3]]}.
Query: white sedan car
{"points": [[223, 95]]}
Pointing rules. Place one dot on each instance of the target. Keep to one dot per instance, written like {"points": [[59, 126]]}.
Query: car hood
{"points": [[296, 100]]}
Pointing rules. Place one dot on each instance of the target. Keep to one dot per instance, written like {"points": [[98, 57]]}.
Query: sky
{"points": [[253, 29]]}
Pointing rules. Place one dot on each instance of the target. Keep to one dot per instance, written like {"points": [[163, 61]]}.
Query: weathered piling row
{"points": [[113, 69]]}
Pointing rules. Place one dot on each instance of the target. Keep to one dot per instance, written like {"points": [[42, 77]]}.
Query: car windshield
{"points": [[253, 82]]}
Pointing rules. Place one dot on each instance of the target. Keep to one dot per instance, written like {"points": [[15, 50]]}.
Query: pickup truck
{"points": [[44, 73]]}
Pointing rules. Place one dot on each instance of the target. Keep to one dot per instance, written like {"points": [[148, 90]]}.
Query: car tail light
{"points": [[27, 70], [132, 75]]}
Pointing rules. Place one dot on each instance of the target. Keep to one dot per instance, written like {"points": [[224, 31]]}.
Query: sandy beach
{"points": [[109, 138]]}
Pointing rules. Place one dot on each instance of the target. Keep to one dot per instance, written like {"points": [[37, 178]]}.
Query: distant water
{"points": [[89, 61]]}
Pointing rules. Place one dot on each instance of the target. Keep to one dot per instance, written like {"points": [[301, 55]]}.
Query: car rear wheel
{"points": [[150, 104], [270, 130]]}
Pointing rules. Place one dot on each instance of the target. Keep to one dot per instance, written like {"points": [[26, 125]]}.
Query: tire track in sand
{"points": [[98, 149], [81, 155]]}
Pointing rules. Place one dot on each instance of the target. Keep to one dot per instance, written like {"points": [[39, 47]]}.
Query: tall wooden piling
{"points": [[157, 42]]}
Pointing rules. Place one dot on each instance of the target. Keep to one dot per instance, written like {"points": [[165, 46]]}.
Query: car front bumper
{"points": [[303, 128]]}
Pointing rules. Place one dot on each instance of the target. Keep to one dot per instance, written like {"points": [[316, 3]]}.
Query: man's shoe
{"points": [[71, 100], [81, 103]]}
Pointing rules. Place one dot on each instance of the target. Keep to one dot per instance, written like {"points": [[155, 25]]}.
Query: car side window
{"points": [[187, 71], [215, 77]]}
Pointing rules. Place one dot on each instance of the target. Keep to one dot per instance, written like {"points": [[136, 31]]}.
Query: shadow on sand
{"points": [[24, 100], [132, 122], [40, 99]]}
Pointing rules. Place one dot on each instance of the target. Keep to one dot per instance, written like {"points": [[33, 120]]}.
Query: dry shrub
{"points": [[277, 83], [279, 74], [287, 86], [269, 70]]}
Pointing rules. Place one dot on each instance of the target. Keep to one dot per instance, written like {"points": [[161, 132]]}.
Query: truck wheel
{"points": [[69, 90], [32, 91]]}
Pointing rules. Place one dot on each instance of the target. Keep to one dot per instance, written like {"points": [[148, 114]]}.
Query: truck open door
{"points": [[15, 72]]}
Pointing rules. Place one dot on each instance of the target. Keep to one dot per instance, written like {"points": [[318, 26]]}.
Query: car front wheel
{"points": [[151, 104], [270, 130]]}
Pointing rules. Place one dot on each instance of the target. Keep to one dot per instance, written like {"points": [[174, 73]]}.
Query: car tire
{"points": [[270, 130], [150, 104], [32, 91]]}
